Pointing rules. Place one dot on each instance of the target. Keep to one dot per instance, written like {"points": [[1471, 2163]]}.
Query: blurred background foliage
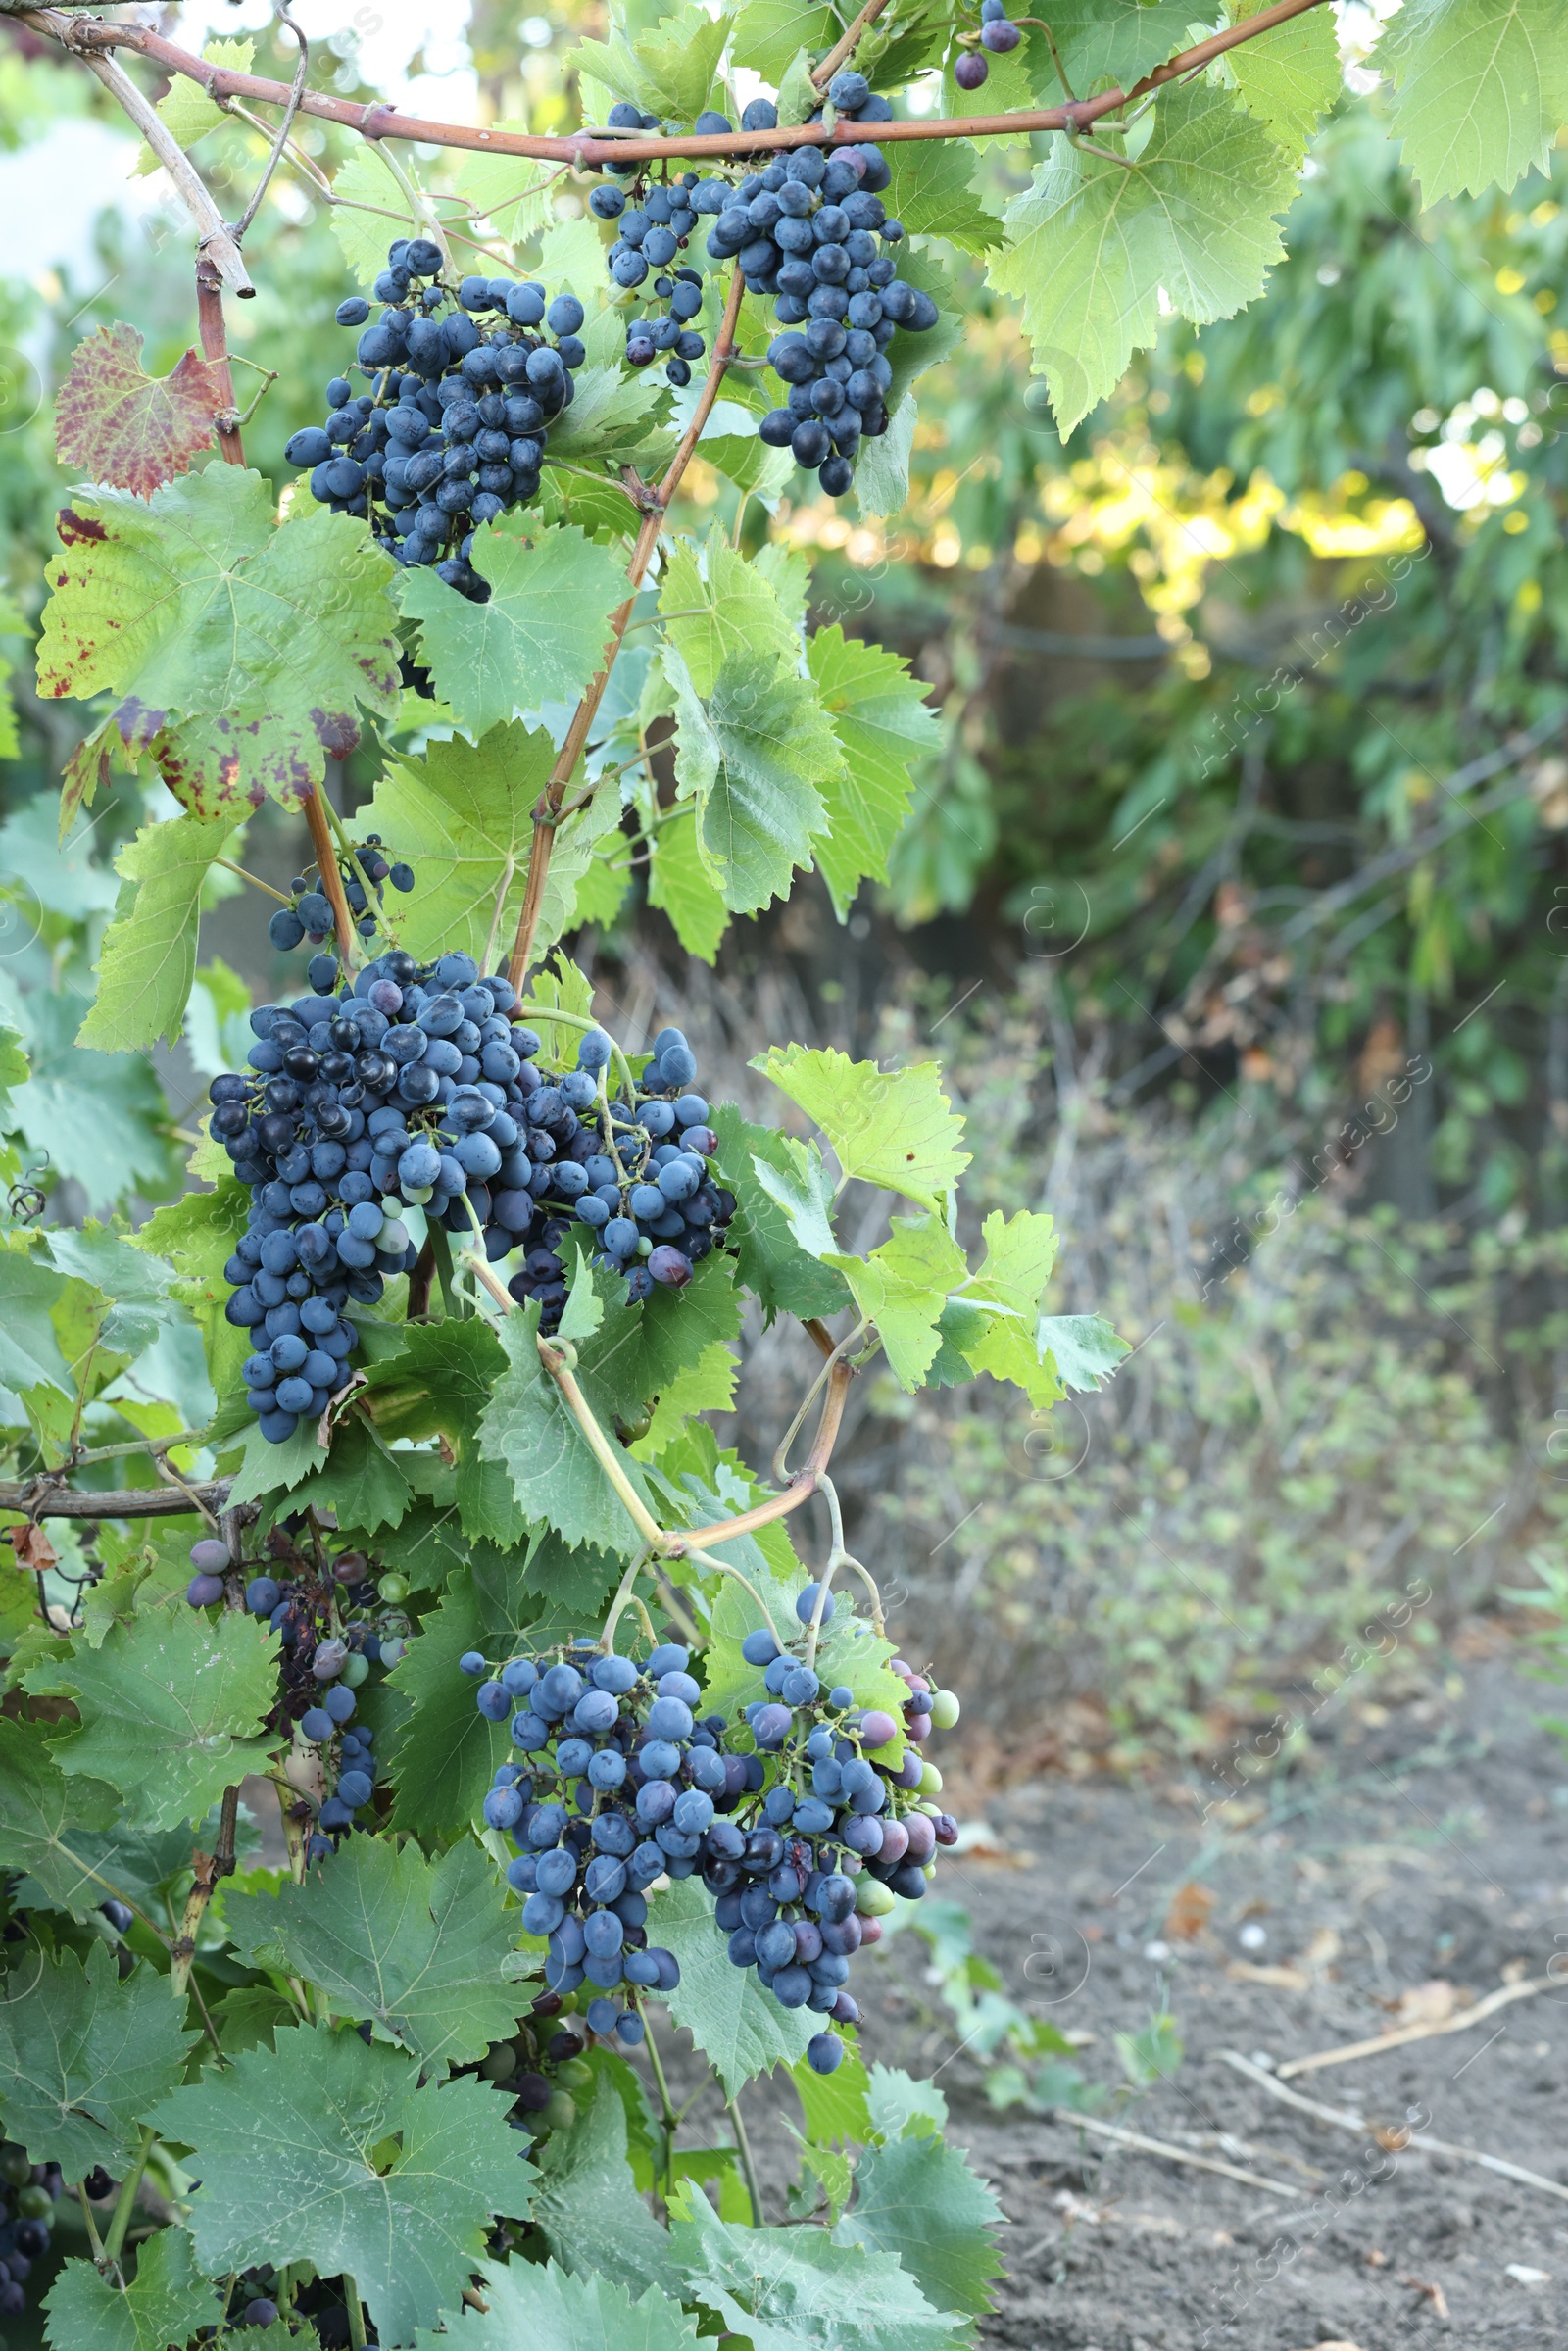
{"points": [[1250, 810]]}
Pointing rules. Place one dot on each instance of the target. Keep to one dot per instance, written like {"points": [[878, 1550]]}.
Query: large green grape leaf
{"points": [[29, 1346], [668, 71], [326, 2149], [1021, 1252], [679, 886], [932, 192], [751, 756], [84, 2058], [546, 2309], [740, 2029], [171, 1707], [769, 34], [187, 110], [444, 1752], [513, 192], [902, 1288], [167, 2301], [48, 1824], [783, 2288], [782, 1276], [461, 814], [1094, 244], [917, 2198], [386, 1936], [715, 604], [587, 2206], [884, 725], [530, 1430], [371, 209], [241, 653], [893, 1128], [1480, 88], [1288, 77], [541, 637], [1104, 45], [148, 958]]}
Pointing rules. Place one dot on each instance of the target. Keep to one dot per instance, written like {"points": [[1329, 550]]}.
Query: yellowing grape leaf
{"points": [[241, 653], [889, 1127], [120, 424]]}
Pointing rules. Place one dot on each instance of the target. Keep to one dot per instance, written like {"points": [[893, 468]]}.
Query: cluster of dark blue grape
{"points": [[998, 33], [28, 2194], [308, 912], [807, 230], [839, 1831], [801, 1836], [618, 1783], [633, 1172], [453, 430], [334, 1624]]}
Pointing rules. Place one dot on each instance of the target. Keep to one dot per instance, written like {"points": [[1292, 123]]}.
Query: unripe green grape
{"points": [[500, 2063], [358, 1670], [575, 2073], [394, 1587], [34, 2203], [930, 1781], [391, 1652], [562, 2111], [15, 2168], [873, 1899], [944, 1710]]}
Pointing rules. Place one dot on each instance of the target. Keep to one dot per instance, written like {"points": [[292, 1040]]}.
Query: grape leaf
{"points": [[901, 2107], [918, 2199], [884, 724], [678, 884], [666, 71], [803, 1190], [1104, 45], [187, 110], [463, 815], [782, 1277], [785, 2287], [167, 2301], [834, 2107], [29, 1346], [84, 2058], [366, 180], [1021, 1252], [1084, 1349], [44, 1817], [612, 414], [769, 34], [170, 1706], [148, 958], [911, 354], [1481, 87], [539, 638], [444, 1755], [1288, 77], [715, 604], [902, 1288], [932, 192], [889, 1128], [513, 192], [413, 1944], [740, 2029], [240, 652], [534, 2303], [291, 2148], [529, 1429], [1093, 242], [119, 425], [705, 1385], [587, 2206], [751, 756]]}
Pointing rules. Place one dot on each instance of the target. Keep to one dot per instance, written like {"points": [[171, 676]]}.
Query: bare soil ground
{"points": [[1425, 1847]]}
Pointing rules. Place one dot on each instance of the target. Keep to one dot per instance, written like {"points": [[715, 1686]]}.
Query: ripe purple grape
{"points": [[970, 70]]}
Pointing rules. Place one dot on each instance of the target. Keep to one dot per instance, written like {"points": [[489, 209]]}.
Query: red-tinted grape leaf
{"points": [[124, 426]]}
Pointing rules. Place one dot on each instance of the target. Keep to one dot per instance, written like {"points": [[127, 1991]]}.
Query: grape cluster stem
{"points": [[210, 1866], [546, 811]]}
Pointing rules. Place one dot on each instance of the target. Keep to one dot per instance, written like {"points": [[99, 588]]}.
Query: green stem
{"points": [[351, 2296], [621, 1601], [125, 2201], [578, 1020], [732, 2107], [93, 2238], [282, 896], [671, 2119], [373, 905], [441, 1251]]}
